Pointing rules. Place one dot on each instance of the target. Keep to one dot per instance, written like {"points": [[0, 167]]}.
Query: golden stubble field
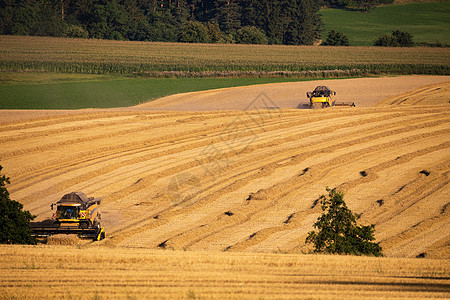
{"points": [[237, 190]]}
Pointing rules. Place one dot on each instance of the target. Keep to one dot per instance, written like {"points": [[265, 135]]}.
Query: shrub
{"points": [[403, 38], [338, 232], [336, 39], [74, 31], [14, 223], [397, 39], [251, 35]]}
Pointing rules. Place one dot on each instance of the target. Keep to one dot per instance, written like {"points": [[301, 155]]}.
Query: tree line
{"points": [[291, 22]]}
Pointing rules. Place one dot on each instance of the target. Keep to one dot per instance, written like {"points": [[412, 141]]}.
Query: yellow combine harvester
{"points": [[322, 97], [75, 214]]}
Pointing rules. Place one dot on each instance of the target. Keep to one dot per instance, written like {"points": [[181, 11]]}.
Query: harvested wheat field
{"points": [[244, 181]]}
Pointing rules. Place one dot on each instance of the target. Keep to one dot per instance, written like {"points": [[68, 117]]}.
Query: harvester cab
{"points": [[323, 97], [75, 214]]}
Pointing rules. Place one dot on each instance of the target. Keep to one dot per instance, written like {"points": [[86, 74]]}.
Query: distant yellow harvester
{"points": [[322, 97]]}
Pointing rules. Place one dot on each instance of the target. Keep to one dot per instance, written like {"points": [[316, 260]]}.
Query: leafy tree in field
{"points": [[14, 223], [336, 39], [338, 232], [251, 35], [397, 39], [403, 38]]}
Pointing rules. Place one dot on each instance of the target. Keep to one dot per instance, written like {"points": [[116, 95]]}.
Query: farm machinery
{"points": [[75, 214], [322, 97]]}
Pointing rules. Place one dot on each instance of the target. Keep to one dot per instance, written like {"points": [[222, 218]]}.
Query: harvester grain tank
{"points": [[75, 214], [323, 97]]}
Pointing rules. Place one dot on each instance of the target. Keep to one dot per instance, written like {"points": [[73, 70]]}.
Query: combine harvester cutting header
{"points": [[322, 97], [75, 214]]}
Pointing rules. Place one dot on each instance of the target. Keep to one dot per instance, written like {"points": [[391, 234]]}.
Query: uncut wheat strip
{"points": [[138, 259], [181, 270]]}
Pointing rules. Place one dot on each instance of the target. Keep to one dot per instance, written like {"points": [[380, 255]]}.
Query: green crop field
{"points": [[106, 92], [427, 22], [213, 60]]}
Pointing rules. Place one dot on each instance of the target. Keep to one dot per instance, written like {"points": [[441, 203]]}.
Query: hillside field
{"points": [[427, 22]]}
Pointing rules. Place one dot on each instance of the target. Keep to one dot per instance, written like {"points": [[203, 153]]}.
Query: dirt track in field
{"points": [[243, 180]]}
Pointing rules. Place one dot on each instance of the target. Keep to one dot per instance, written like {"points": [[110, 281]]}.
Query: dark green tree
{"points": [[228, 15], [336, 39], [109, 21], [305, 24], [397, 39], [403, 38], [338, 232], [385, 40], [194, 32], [295, 22], [251, 35], [14, 223], [336, 3]]}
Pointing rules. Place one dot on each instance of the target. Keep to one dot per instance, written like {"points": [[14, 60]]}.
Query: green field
{"points": [[107, 92], [427, 22]]}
